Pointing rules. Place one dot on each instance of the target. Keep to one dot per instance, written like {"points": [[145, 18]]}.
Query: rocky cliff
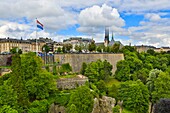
{"points": [[101, 105]]}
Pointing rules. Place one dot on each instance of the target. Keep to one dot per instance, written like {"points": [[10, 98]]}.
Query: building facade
{"points": [[144, 48], [84, 42], [6, 44]]}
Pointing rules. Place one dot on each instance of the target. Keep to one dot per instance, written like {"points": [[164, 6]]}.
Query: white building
{"points": [[78, 41]]}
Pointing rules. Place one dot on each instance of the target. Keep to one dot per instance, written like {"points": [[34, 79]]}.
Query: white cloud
{"points": [[12, 29], [152, 17], [52, 15], [96, 18], [138, 6], [153, 32]]}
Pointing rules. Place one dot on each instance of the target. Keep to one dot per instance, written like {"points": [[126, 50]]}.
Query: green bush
{"points": [[47, 68], [65, 68], [116, 109]]}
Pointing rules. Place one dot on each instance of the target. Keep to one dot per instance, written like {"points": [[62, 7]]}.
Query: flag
{"points": [[39, 25]]}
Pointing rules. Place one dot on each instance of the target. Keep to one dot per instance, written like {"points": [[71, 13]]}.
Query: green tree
{"points": [[99, 49], [116, 109], [107, 49], [18, 82], [15, 50], [54, 69], [26, 83], [153, 75], [99, 70], [102, 87], [65, 68], [38, 82], [8, 97], [83, 68], [141, 74], [123, 71], [59, 50], [151, 51], [64, 49], [68, 47], [113, 91], [76, 47], [7, 109], [72, 109], [38, 106], [135, 96], [92, 46], [115, 48], [161, 87], [45, 48], [47, 68], [135, 64], [127, 49], [82, 99]]}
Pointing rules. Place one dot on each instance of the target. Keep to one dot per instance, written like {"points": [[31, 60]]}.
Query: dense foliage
{"points": [[138, 65], [46, 48], [15, 50], [151, 68], [135, 96], [65, 68], [81, 100], [92, 46], [27, 85], [99, 70]]}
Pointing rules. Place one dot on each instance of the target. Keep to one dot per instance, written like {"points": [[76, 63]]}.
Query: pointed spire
{"points": [[112, 36]]}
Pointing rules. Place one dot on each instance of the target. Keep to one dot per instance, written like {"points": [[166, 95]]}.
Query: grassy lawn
{"points": [[112, 81]]}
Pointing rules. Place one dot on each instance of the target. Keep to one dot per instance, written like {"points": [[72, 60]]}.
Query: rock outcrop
{"points": [[56, 109], [103, 105]]}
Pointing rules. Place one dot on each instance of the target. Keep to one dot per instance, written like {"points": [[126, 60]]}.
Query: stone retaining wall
{"points": [[71, 83], [76, 60]]}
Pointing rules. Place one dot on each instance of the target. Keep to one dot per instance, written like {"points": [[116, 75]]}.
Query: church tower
{"points": [[106, 39], [112, 37]]}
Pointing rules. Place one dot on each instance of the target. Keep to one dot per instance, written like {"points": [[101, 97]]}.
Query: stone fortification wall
{"points": [[71, 83], [76, 60]]}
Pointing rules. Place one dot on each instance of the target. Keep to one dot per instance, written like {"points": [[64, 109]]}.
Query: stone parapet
{"points": [[71, 83]]}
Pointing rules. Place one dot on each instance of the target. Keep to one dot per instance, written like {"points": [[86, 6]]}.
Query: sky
{"points": [[139, 22]]}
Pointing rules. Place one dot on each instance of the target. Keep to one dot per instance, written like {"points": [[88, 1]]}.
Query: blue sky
{"points": [[132, 21]]}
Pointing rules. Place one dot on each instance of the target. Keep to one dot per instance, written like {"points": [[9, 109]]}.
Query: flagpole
{"points": [[36, 39]]}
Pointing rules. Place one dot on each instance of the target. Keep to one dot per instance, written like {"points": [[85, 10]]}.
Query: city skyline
{"points": [[137, 22]]}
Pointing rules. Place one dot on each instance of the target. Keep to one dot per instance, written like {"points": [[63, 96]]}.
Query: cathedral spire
{"points": [[112, 36]]}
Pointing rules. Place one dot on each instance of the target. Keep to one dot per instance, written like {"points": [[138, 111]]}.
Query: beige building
{"points": [[144, 48], [6, 44], [162, 49], [57, 45], [78, 41]]}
